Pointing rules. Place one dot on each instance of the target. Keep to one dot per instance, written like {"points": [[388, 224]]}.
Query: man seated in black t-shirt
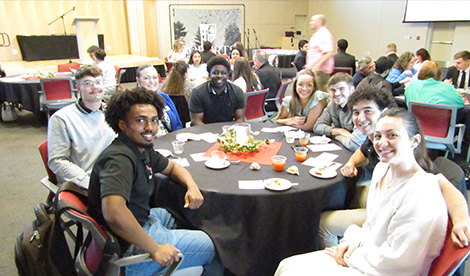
{"points": [[217, 100], [367, 104], [121, 185]]}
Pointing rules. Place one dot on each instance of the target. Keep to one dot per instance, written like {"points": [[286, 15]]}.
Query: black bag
{"points": [[41, 249]]}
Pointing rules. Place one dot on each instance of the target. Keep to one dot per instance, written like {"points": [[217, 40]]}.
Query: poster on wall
{"points": [[222, 25]]}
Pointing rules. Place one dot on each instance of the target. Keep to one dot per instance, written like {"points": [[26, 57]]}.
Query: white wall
{"points": [[370, 25]]}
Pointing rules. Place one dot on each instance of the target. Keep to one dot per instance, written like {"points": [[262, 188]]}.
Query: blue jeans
{"points": [[196, 246]]}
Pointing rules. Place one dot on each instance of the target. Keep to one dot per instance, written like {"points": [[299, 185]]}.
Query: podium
{"points": [[86, 35]]}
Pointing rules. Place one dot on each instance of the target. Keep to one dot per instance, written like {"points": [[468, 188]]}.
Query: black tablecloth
{"points": [[25, 93], [253, 230]]}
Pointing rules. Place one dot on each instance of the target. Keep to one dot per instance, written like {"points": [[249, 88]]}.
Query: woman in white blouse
{"points": [[197, 71], [406, 213]]}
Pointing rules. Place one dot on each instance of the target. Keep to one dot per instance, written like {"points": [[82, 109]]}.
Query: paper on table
{"points": [[277, 129], [323, 147], [250, 184], [209, 137], [198, 157], [183, 161], [186, 136], [327, 156], [320, 163]]}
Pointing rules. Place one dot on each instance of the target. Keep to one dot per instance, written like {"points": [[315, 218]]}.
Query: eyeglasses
{"points": [[91, 83], [155, 78]]}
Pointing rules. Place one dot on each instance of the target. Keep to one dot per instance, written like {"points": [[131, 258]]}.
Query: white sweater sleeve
{"points": [[59, 149]]}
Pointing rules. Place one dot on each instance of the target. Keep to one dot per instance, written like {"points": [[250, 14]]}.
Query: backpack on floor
{"points": [[9, 112], [41, 249]]}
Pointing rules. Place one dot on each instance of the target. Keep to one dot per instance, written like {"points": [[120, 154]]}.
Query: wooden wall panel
{"points": [[32, 17]]}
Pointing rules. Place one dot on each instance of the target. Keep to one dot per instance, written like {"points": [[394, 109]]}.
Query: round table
{"points": [[253, 230]]}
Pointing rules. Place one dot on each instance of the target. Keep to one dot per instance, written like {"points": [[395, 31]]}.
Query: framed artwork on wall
{"points": [[222, 25]]}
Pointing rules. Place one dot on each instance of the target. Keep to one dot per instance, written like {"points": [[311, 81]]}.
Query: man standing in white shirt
{"points": [[320, 51]]}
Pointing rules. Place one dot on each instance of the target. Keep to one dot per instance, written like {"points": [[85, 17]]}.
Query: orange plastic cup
{"points": [[303, 142], [279, 162], [301, 153]]}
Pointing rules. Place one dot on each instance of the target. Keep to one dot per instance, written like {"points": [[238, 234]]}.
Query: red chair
{"points": [[169, 65], [56, 93], [438, 122], [450, 258], [254, 111], [222, 55], [49, 181], [91, 258], [118, 79], [347, 70], [67, 67], [278, 99], [117, 69]]}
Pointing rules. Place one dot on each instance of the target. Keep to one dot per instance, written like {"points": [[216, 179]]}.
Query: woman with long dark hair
{"points": [[243, 77], [302, 109], [405, 229]]}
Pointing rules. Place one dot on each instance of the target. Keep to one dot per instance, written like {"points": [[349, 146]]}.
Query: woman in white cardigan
{"points": [[406, 213]]}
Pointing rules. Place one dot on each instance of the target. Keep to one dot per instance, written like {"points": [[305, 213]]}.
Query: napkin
{"points": [[320, 163], [198, 157], [182, 161], [324, 147], [251, 184], [327, 156], [277, 129]]}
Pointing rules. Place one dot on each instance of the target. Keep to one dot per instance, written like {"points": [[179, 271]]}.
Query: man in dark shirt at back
{"points": [[268, 76], [343, 59]]}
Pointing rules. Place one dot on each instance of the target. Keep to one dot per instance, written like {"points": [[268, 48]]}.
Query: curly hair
{"points": [[403, 61], [174, 84], [120, 104], [382, 97]]}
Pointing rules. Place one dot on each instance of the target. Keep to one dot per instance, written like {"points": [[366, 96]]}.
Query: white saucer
{"points": [[319, 140], [216, 165], [277, 184], [323, 173], [164, 152]]}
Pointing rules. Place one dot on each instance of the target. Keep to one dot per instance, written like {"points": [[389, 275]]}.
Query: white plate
{"points": [[164, 152], [323, 173], [277, 184], [319, 140], [216, 165]]}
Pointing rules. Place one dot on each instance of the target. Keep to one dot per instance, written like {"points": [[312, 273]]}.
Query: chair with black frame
{"points": [[278, 99], [438, 122], [254, 110], [56, 93], [118, 79], [98, 255]]}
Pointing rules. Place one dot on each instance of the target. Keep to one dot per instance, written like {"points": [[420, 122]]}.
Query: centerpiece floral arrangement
{"points": [[230, 145]]}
